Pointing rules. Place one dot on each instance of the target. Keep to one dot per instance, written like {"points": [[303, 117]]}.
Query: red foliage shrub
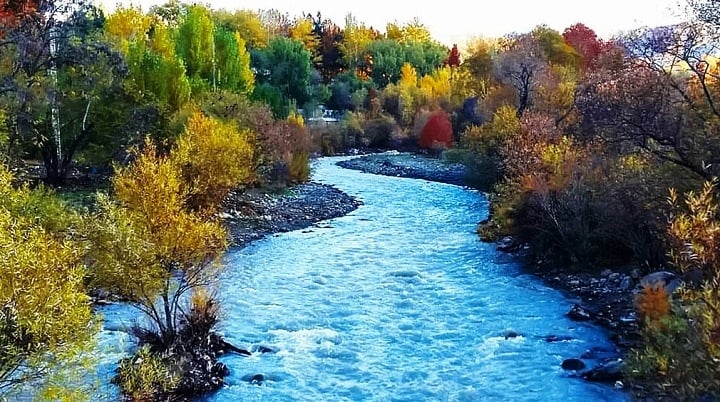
{"points": [[437, 132]]}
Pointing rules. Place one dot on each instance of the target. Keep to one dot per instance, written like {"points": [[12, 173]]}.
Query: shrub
{"points": [[437, 132], [299, 169], [213, 157], [681, 349], [376, 132], [653, 302], [145, 376], [45, 314]]}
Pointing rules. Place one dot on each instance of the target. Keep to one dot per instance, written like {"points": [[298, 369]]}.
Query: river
{"points": [[397, 301]]}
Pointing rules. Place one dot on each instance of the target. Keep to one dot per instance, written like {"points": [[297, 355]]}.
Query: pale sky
{"points": [[453, 21]]}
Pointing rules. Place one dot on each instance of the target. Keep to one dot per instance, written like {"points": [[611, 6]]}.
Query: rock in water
{"points": [[573, 364]]}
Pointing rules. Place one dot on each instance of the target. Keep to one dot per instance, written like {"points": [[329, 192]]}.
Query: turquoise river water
{"points": [[397, 301]]}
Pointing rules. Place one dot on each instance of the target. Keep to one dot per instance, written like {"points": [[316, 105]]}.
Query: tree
{"points": [[275, 23], [453, 59], [127, 25], [214, 157], [195, 43], [13, 12], [233, 63], [437, 132], [356, 38], [585, 42], [285, 65], [246, 23], [520, 66], [330, 61], [303, 30], [45, 315], [555, 49], [662, 102], [157, 242], [57, 62]]}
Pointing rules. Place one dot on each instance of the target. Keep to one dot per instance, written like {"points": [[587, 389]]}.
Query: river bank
{"points": [[250, 215]]}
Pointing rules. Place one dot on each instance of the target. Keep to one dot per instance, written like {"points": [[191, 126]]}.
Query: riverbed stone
{"points": [[511, 334], [573, 364]]}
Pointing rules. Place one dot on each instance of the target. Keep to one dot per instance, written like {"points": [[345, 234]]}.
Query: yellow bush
{"points": [[145, 376], [299, 169], [214, 157], [45, 315], [144, 240]]}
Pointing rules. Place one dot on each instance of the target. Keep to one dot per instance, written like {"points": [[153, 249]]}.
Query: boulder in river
{"points": [[660, 277], [573, 364], [511, 334]]}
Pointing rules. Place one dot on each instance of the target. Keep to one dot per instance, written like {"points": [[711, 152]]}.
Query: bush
{"points": [[299, 170], [681, 349], [376, 132], [437, 132], [145, 376], [213, 157]]}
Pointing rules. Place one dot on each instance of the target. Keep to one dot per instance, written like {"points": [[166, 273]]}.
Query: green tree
{"points": [[195, 43], [233, 62], [56, 81], [286, 66]]}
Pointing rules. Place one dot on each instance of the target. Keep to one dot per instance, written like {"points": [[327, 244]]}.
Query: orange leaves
{"points": [[653, 302]]}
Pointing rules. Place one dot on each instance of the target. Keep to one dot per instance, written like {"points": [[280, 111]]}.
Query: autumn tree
{"points": [[437, 132], [156, 241], [585, 42], [303, 30], [328, 56], [453, 59], [520, 67], [246, 23], [654, 112], [356, 38], [555, 50]]}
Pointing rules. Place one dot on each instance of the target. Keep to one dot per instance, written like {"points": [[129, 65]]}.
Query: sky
{"points": [[453, 21]]}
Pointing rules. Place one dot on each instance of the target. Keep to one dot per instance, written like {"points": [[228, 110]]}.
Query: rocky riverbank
{"points": [[408, 165], [253, 214]]}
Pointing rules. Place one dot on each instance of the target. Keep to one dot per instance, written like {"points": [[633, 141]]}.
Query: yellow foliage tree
{"points": [[214, 157], [302, 30], [156, 242], [126, 25], [437, 85], [45, 315], [408, 92]]}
